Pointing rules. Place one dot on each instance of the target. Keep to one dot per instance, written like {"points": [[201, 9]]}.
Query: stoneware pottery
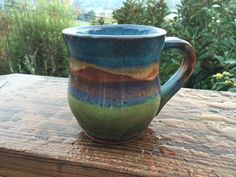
{"points": [[114, 89]]}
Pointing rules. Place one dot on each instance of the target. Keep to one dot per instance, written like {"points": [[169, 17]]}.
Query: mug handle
{"points": [[183, 73]]}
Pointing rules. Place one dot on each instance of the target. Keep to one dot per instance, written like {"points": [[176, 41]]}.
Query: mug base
{"points": [[111, 141]]}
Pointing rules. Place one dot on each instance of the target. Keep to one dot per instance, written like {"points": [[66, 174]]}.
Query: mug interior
{"points": [[115, 31]]}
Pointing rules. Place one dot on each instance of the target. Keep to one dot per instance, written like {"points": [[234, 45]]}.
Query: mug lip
{"points": [[73, 31]]}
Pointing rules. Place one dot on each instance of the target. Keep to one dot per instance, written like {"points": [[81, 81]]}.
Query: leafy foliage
{"points": [[224, 81], [210, 27], [150, 12], [130, 13], [32, 40]]}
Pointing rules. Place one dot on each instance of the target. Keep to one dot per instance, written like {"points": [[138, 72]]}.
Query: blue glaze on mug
{"points": [[130, 49]]}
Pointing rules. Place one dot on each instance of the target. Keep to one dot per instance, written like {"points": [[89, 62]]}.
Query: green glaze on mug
{"points": [[114, 123], [114, 90]]}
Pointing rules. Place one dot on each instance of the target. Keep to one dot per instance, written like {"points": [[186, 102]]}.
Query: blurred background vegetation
{"points": [[31, 40]]}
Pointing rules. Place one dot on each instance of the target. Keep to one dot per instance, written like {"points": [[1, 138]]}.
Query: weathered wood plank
{"points": [[194, 135]]}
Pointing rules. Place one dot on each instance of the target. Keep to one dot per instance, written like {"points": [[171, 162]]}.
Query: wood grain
{"points": [[194, 135]]}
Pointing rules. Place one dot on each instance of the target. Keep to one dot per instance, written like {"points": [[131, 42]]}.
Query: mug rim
{"points": [[74, 31]]}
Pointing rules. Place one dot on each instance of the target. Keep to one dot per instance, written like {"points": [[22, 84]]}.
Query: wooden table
{"points": [[194, 135]]}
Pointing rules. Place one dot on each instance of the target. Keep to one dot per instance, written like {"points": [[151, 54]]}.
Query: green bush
{"points": [[208, 25], [224, 81], [150, 12], [32, 41], [130, 13]]}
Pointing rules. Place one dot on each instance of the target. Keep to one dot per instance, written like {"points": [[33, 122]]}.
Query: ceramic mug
{"points": [[114, 89]]}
